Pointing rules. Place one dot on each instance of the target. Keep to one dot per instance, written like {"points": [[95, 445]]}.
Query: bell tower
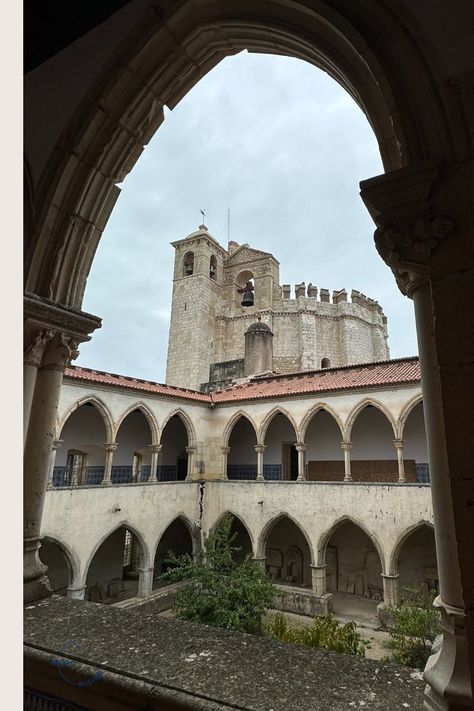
{"points": [[197, 299]]}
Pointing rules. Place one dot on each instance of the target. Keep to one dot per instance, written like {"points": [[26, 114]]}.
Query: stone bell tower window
{"points": [[188, 264], [245, 292], [213, 267]]}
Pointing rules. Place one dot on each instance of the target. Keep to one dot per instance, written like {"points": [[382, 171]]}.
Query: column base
{"points": [[386, 619], [76, 593], [447, 672], [36, 589]]}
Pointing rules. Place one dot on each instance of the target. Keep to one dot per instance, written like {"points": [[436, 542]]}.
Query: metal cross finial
{"points": [[203, 213]]}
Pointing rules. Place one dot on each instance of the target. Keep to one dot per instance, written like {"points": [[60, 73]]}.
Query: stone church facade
{"points": [[209, 318]]}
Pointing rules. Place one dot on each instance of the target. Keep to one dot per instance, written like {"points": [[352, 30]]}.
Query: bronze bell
{"points": [[248, 298]]}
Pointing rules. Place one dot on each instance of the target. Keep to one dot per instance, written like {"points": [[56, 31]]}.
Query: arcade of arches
{"points": [[410, 66]]}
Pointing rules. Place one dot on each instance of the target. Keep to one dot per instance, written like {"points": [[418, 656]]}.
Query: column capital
{"points": [[390, 576], [346, 445], [57, 443], [407, 230], [225, 450], [155, 448], [317, 567], [191, 449], [260, 448], [110, 446], [53, 332], [35, 340], [398, 443], [300, 446]]}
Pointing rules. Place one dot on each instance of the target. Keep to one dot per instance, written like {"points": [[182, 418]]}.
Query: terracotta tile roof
{"points": [[400, 371], [122, 381], [351, 377]]}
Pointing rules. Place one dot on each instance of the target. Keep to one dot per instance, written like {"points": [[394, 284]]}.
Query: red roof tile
{"points": [[389, 373], [351, 377], [122, 381]]}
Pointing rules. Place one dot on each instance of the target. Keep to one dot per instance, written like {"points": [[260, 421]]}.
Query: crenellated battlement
{"points": [[323, 296]]}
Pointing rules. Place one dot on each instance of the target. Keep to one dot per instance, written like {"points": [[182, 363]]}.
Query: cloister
{"points": [[410, 68], [146, 469]]}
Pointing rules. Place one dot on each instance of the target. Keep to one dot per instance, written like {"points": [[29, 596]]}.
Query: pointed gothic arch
{"points": [[70, 557], [148, 415], [406, 412], [269, 417], [368, 402], [395, 552], [326, 536], [144, 552], [231, 424], [100, 406], [264, 533], [320, 406], [187, 422]]}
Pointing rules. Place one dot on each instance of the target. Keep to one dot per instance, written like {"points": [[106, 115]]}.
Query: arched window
{"points": [[213, 267], [325, 363], [188, 264], [245, 289]]}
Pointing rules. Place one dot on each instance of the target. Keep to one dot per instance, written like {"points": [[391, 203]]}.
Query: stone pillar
{"points": [[52, 334], [56, 444], [260, 561], [110, 448], [76, 593], [390, 589], [260, 448], [38, 449], [191, 452], [401, 465], [318, 579], [300, 448], [346, 448], [435, 269], [155, 449], [145, 581], [225, 453], [35, 343]]}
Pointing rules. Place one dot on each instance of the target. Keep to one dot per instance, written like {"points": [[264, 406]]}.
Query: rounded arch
{"points": [[144, 552], [406, 411], [187, 422], [361, 406], [326, 536], [326, 38], [265, 532], [314, 411], [231, 424], [191, 527], [70, 556], [395, 553], [148, 415], [261, 433], [100, 406]]}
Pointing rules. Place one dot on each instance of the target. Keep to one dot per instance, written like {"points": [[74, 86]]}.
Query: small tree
{"points": [[323, 633], [219, 591], [416, 626]]}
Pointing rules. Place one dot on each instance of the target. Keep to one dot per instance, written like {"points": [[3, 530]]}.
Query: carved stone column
{"points": [[260, 561], [155, 449], [56, 444], [35, 343], [411, 231], [318, 579], [260, 449], [62, 330], [390, 589], [110, 448], [145, 581], [225, 453], [300, 448], [401, 464], [346, 448], [191, 452]]}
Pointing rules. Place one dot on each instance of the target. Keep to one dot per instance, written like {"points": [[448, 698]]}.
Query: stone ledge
{"points": [[145, 661]]}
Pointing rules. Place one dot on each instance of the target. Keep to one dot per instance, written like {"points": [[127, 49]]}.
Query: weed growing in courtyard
{"points": [[219, 590], [323, 632], [416, 626]]}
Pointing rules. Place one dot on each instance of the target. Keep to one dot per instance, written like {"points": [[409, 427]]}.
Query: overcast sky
{"points": [[284, 147]]}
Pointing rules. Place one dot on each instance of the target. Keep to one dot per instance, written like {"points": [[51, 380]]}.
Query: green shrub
{"points": [[416, 626], [219, 590], [323, 632]]}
